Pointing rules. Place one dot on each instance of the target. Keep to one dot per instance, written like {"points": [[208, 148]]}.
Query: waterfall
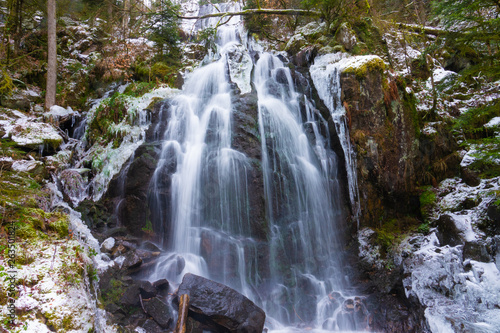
{"points": [[199, 194]]}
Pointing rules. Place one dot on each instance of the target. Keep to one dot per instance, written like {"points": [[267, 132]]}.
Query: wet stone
{"points": [[160, 311]]}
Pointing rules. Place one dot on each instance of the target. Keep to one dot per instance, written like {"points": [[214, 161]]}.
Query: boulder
{"points": [[454, 230], [160, 311], [73, 185], [18, 101], [221, 305], [346, 37], [132, 260], [30, 134], [144, 289]]}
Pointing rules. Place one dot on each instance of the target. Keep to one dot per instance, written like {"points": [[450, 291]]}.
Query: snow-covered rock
{"points": [[26, 132], [346, 36], [240, 66]]}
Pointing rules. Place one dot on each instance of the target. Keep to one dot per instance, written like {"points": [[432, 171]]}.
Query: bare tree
{"points": [[50, 94]]}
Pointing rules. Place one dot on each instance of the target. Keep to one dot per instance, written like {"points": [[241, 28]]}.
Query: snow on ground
{"points": [[460, 294]]}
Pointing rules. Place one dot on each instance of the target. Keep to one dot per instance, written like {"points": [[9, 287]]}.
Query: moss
{"points": [[427, 202], [60, 225], [111, 111], [393, 230], [371, 65], [137, 89], [113, 293]]}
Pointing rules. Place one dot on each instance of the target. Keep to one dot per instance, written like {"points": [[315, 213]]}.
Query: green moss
{"points": [[60, 225], [137, 89], [113, 293], [111, 111], [392, 231], [427, 201], [375, 64]]}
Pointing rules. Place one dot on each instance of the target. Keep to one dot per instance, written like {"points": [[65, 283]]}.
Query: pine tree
{"points": [[473, 26]]}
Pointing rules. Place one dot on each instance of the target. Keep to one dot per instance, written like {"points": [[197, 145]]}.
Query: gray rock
{"points": [[160, 311], [150, 326], [346, 37], [132, 260], [217, 303]]}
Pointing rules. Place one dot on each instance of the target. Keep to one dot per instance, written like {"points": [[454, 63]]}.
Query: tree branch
{"points": [[248, 12]]}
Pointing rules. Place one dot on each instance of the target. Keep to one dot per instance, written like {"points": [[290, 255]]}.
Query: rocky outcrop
{"points": [[220, 307], [393, 155]]}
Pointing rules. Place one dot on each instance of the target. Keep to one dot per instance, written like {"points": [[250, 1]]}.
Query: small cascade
{"points": [[325, 74], [198, 197]]}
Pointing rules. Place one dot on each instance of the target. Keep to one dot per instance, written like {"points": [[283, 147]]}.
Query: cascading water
{"points": [[199, 195]]}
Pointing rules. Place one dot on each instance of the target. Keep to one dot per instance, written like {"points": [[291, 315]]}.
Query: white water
{"points": [[200, 202]]}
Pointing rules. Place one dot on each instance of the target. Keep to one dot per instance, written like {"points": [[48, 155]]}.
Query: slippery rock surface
{"points": [[221, 305]]}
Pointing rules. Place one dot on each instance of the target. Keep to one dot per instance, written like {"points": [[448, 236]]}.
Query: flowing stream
{"points": [[199, 194]]}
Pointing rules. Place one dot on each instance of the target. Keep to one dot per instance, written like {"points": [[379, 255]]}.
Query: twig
{"points": [[53, 257]]}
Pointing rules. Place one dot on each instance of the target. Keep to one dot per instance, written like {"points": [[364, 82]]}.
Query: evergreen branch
{"points": [[248, 12]]}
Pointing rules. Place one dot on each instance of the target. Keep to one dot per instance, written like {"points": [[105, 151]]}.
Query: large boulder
{"points": [[221, 306]]}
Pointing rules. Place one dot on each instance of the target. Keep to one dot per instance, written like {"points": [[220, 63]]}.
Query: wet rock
{"points": [[133, 190], [73, 185], [150, 326], [161, 284], [137, 290], [147, 245], [470, 177], [493, 212], [476, 251], [160, 311], [131, 296], [225, 307], [306, 56], [146, 288], [132, 260]]}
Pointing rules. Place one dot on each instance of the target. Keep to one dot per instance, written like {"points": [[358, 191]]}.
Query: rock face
{"points": [[221, 306], [392, 154]]}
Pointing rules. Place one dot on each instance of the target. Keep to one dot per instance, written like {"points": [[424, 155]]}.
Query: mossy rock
{"points": [[137, 89], [362, 65], [427, 202], [33, 223]]}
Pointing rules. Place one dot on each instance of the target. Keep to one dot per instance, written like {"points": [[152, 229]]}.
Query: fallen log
{"points": [[180, 327]]}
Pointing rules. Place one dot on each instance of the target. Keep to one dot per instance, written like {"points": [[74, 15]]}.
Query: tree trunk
{"points": [[50, 94]]}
